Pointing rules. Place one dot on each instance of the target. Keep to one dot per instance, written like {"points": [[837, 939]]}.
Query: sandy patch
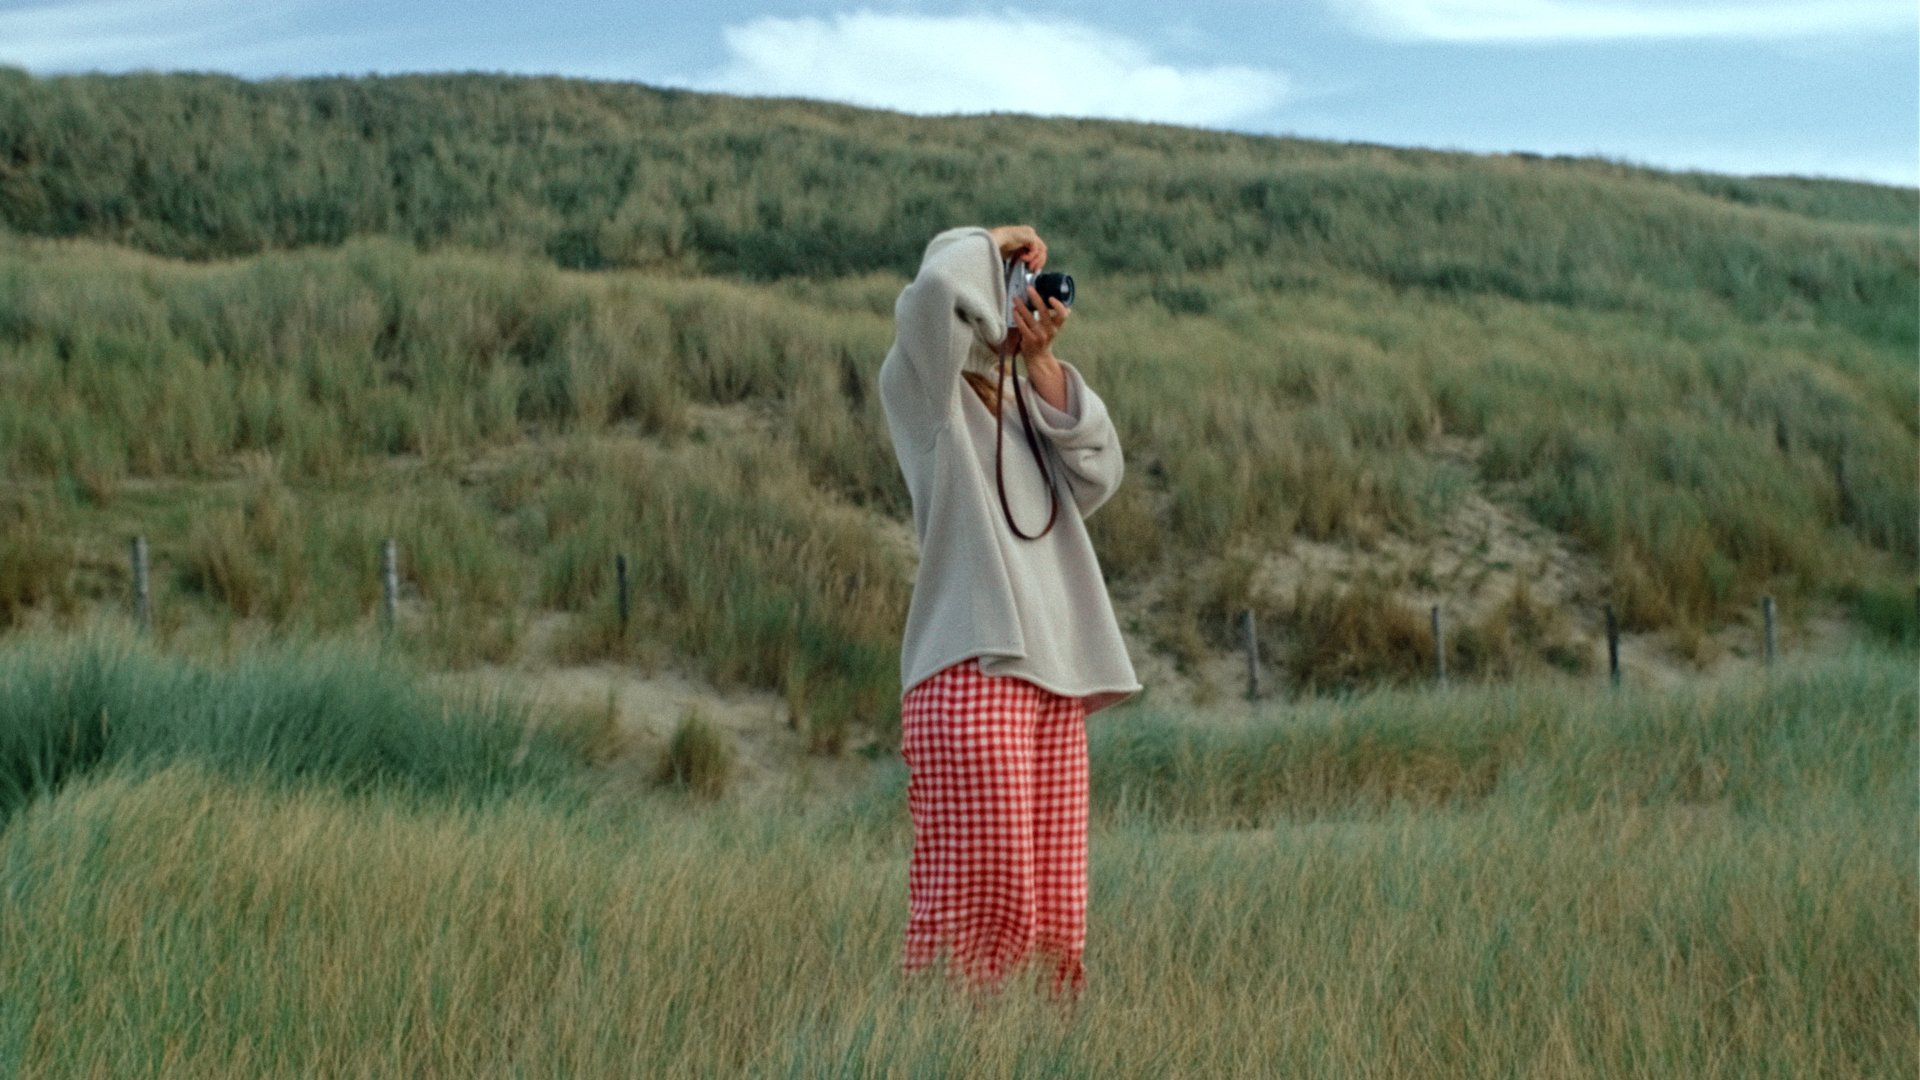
{"points": [[773, 761]]}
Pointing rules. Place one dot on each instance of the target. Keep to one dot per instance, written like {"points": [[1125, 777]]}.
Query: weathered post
{"points": [[626, 602], [390, 584], [1253, 655], [1766, 616], [1439, 648], [1613, 647], [142, 599]]}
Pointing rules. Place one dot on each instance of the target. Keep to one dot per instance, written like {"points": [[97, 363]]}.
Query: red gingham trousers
{"points": [[997, 788]]}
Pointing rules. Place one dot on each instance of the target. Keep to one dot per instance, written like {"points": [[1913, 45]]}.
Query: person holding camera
{"points": [[1011, 640]]}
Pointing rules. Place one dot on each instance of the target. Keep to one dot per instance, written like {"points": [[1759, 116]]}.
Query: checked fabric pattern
{"points": [[997, 788]]}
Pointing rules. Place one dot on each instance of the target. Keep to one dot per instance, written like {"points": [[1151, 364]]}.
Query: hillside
{"points": [[524, 325]]}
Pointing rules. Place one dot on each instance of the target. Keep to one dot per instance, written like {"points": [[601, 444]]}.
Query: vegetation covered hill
{"points": [[528, 324]]}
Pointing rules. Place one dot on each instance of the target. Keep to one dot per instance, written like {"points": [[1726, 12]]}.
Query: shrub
{"points": [[34, 565], [1889, 613]]}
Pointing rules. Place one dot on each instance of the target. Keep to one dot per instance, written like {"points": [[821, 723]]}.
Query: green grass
{"points": [[606, 175], [1714, 882], [334, 714], [1750, 747]]}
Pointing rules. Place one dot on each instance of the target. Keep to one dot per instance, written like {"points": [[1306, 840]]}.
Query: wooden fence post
{"points": [[142, 598], [1613, 647], [1766, 616], [390, 584], [626, 603], [1253, 655], [1439, 648]]}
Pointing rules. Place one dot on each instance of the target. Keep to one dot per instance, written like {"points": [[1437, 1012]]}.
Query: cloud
{"points": [[1602, 20], [984, 63]]}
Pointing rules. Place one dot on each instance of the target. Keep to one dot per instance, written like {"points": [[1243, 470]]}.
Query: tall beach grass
{"points": [[1704, 883], [331, 713], [266, 424]]}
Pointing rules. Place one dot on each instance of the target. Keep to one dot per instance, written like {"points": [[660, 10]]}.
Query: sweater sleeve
{"points": [[955, 298], [1087, 444]]}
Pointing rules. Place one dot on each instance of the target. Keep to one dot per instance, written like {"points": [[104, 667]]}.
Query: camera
{"points": [[1051, 285]]}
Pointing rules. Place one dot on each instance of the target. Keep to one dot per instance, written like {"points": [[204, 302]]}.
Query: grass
{"points": [[1529, 880], [515, 426], [699, 757], [526, 325], [299, 713], [598, 175]]}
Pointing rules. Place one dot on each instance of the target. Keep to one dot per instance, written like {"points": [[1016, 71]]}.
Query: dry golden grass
{"points": [[698, 757], [231, 933]]}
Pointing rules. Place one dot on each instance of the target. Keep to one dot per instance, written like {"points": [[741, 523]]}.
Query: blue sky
{"points": [[1809, 87]]}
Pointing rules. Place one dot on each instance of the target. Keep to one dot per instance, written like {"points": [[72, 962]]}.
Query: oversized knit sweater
{"points": [[1036, 609]]}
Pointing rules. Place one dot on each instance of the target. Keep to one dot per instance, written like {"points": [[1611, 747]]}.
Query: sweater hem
{"points": [[1107, 695], [907, 687]]}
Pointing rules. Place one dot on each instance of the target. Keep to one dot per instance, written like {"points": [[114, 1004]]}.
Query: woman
{"points": [[1010, 640]]}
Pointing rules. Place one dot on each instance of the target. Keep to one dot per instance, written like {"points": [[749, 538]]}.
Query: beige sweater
{"points": [[1036, 609]]}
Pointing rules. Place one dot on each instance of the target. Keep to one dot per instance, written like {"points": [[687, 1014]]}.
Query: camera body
{"points": [[1051, 285]]}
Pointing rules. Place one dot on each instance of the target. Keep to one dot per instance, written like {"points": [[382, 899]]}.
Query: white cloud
{"points": [[984, 63], [1600, 20]]}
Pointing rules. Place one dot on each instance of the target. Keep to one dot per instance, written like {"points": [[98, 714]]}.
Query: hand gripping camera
{"points": [[1051, 285]]}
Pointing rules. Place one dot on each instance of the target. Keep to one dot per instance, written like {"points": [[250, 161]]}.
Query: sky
{"points": [[1805, 87]]}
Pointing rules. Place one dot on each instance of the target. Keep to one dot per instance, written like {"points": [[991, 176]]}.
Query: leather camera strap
{"points": [[1033, 443]]}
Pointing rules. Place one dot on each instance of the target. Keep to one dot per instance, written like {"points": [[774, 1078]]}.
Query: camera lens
{"points": [[1054, 285]]}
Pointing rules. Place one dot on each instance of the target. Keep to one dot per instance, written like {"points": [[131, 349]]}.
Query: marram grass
{"points": [[185, 922], [334, 713], [267, 422]]}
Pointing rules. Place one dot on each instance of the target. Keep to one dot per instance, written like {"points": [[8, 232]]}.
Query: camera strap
{"points": [[1033, 443]]}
